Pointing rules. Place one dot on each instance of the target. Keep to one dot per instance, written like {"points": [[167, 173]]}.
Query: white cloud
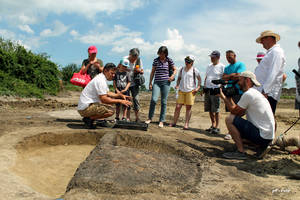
{"points": [[121, 39], [32, 11], [26, 28], [6, 34], [58, 29]]}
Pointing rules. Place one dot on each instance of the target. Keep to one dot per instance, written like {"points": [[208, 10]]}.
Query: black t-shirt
{"points": [[92, 70], [122, 79]]}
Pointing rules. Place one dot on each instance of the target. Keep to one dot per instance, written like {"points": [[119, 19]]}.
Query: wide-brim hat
{"points": [[252, 76], [268, 33]]}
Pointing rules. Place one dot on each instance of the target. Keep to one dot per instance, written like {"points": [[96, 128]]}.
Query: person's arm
{"points": [[199, 85], [99, 65], [284, 76], [115, 86], [232, 107], [109, 99], [151, 77], [140, 69], [172, 77], [126, 88]]}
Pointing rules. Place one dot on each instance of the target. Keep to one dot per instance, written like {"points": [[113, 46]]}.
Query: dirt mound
{"points": [[130, 164]]}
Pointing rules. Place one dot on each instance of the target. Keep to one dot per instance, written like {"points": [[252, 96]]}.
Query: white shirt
{"points": [[258, 112], [90, 94], [131, 69], [213, 72], [270, 70], [187, 82]]}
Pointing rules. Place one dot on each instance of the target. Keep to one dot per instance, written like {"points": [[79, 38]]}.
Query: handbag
{"points": [[80, 79], [139, 79]]}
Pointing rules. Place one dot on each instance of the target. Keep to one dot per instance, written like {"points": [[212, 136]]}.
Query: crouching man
{"points": [[259, 128], [95, 99]]}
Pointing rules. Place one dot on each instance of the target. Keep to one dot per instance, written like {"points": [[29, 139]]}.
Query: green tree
{"points": [[68, 71]]}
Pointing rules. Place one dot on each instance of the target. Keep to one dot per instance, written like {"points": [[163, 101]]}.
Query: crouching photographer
{"points": [[259, 128]]}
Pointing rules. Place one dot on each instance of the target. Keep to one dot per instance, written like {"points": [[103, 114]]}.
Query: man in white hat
{"points": [[259, 128], [271, 67]]}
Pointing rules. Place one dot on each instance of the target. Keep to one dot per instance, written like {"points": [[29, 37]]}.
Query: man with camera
{"points": [[214, 71], [231, 74], [259, 128]]}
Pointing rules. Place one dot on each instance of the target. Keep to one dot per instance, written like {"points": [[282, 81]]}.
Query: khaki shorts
{"points": [[186, 98], [211, 103], [96, 109]]}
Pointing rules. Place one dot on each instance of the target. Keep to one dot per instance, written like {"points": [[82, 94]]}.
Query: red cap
{"points": [[92, 49]]}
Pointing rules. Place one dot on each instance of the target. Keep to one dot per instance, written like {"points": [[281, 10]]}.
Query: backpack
{"points": [[171, 71], [194, 74]]}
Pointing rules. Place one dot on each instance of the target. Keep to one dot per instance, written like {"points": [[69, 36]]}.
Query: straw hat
{"points": [[268, 33]]}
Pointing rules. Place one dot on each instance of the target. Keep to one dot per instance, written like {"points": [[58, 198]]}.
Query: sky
{"points": [[64, 29]]}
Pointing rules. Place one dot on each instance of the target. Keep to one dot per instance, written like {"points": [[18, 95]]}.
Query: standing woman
{"points": [[92, 66], [161, 68]]}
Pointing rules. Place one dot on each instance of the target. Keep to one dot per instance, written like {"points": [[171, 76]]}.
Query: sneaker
{"points": [[215, 131], [161, 125], [148, 121], [262, 151], [235, 155], [227, 137], [209, 129], [88, 123]]}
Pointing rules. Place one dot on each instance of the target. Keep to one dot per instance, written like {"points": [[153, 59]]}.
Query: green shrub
{"points": [[68, 71], [24, 73]]}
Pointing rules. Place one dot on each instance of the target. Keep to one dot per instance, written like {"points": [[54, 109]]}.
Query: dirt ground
{"points": [[42, 142]]}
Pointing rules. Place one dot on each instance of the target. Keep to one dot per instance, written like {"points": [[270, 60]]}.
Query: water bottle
{"points": [[176, 93]]}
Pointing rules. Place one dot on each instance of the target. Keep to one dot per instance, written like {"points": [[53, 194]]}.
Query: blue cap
{"points": [[125, 62], [215, 54]]}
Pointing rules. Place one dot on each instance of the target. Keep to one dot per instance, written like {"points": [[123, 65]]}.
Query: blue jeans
{"points": [[162, 87]]}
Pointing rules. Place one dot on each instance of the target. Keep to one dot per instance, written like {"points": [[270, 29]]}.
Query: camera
{"points": [[228, 92]]}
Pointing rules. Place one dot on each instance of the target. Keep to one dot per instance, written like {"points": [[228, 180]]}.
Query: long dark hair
{"points": [[164, 50]]}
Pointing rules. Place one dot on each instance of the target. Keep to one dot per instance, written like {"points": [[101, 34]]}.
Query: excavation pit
{"points": [[46, 162]]}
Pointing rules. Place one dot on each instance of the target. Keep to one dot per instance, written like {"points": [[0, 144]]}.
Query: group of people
{"points": [[246, 93]]}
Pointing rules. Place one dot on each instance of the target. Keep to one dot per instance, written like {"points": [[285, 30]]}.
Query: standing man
{"points": [[272, 67], [135, 67], [95, 99], [259, 128], [297, 100], [231, 73], [214, 71]]}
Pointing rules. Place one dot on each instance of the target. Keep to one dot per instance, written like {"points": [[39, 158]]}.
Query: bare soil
{"points": [[43, 142]]}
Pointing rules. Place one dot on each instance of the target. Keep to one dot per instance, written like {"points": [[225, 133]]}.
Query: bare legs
{"points": [[188, 114]]}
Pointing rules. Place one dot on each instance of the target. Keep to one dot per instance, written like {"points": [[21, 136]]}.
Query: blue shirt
{"points": [[237, 67]]}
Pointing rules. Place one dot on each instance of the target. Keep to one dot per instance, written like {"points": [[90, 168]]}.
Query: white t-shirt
{"points": [[258, 112], [90, 94], [213, 72], [187, 82]]}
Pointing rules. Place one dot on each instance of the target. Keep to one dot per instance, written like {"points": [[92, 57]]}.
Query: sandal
{"points": [[227, 137], [172, 125]]}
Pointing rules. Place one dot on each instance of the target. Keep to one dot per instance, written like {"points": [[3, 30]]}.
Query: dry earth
{"points": [[42, 143]]}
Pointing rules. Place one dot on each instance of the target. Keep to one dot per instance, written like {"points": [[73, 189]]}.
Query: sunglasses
{"points": [[188, 61]]}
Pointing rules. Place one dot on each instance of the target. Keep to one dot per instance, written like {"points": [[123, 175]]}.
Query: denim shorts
{"points": [[249, 131]]}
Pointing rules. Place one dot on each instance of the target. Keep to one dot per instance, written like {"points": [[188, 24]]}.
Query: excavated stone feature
{"points": [[129, 164]]}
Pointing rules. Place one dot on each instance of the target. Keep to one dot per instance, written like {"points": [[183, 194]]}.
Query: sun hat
{"points": [[215, 54], [124, 62], [260, 55], [92, 49], [190, 57], [252, 76], [268, 33]]}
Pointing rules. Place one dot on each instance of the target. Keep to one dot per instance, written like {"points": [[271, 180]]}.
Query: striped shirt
{"points": [[162, 69]]}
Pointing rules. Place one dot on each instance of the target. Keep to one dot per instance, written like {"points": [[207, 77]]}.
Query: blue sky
{"points": [[64, 29]]}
